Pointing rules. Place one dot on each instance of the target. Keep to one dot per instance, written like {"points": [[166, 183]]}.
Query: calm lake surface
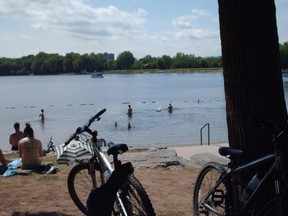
{"points": [[70, 100]]}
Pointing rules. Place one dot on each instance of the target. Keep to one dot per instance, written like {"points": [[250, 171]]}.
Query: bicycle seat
{"points": [[115, 149], [225, 151]]}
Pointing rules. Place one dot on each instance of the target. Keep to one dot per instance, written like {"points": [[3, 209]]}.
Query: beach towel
{"points": [[15, 162], [11, 168], [11, 171]]}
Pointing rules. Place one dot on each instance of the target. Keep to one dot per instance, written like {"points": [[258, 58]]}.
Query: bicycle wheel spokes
{"points": [[134, 204], [80, 183], [135, 199], [205, 202]]}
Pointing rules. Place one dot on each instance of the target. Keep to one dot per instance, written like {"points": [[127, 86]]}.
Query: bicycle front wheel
{"points": [[80, 182], [203, 202], [135, 198]]}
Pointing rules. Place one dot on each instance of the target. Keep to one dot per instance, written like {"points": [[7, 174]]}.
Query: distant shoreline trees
{"points": [[52, 64]]}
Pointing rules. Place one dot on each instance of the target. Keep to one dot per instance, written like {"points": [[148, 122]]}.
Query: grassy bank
{"points": [[177, 70]]}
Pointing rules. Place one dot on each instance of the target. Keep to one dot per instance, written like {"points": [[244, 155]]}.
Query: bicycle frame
{"points": [[121, 192], [232, 188], [107, 169]]}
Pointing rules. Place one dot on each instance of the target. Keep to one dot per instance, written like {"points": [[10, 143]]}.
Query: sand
{"points": [[170, 190]]}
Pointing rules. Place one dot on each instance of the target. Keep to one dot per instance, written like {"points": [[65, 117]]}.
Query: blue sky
{"points": [[143, 27]]}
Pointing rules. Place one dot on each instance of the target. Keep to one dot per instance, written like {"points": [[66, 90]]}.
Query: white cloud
{"points": [[184, 22], [199, 12], [76, 18], [5, 39], [187, 26], [27, 37], [198, 34]]}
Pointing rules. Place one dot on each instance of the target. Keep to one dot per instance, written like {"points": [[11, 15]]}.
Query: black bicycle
{"points": [[50, 146], [99, 189], [216, 190]]}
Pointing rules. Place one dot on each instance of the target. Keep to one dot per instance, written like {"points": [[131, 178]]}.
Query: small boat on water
{"points": [[97, 75]]}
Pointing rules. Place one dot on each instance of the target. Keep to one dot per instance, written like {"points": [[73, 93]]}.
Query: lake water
{"points": [[70, 100]]}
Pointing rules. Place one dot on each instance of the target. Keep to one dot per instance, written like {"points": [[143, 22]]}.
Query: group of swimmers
{"points": [[129, 113], [30, 148]]}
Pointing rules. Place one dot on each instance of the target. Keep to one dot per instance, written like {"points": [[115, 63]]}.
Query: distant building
{"points": [[108, 56]]}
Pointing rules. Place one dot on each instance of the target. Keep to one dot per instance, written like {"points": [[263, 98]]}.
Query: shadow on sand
{"points": [[39, 214]]}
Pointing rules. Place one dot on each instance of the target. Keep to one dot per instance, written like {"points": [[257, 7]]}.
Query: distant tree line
{"points": [[49, 64], [45, 64], [284, 55]]}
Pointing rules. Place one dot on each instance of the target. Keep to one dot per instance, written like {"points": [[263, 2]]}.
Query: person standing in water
{"points": [[129, 112], [170, 108], [42, 115]]}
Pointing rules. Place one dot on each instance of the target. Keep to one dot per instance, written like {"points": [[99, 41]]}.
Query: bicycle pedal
{"points": [[218, 197]]}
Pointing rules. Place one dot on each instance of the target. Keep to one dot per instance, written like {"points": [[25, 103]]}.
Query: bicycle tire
{"points": [[206, 180], [270, 208], [135, 198], [80, 184]]}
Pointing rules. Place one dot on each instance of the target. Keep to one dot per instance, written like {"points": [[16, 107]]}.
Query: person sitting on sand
{"points": [[15, 137], [30, 150], [3, 160], [4, 163]]}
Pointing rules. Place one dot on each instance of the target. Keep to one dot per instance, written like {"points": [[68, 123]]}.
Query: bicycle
{"points": [[216, 190], [50, 146], [113, 190]]}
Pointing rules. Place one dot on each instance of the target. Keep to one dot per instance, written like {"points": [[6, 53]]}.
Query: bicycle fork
{"points": [[92, 173]]}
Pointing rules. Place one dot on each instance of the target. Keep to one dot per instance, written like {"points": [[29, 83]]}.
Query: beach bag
{"points": [[100, 200]]}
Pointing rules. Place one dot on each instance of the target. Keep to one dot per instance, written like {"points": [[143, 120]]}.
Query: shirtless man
{"points": [[30, 150], [42, 115], [170, 108], [129, 111], [15, 137]]}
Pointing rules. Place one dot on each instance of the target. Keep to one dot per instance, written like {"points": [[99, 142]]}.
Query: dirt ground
{"points": [[169, 190]]}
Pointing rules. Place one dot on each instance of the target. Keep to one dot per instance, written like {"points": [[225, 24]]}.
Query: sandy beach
{"points": [[169, 188]]}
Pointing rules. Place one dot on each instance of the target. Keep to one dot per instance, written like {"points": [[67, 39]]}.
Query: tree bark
{"points": [[252, 75]]}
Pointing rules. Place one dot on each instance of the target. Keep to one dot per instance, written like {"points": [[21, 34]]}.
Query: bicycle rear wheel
{"points": [[135, 198], [206, 180], [80, 183], [272, 208]]}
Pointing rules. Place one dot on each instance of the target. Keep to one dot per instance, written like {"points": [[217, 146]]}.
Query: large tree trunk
{"points": [[252, 74]]}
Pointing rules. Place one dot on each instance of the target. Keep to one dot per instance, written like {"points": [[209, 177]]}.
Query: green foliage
{"points": [[125, 60], [43, 63], [284, 55]]}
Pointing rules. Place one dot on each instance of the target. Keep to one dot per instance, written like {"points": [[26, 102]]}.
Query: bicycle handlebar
{"points": [[85, 127]]}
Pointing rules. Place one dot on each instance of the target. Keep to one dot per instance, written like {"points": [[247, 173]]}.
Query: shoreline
{"points": [[155, 145]]}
